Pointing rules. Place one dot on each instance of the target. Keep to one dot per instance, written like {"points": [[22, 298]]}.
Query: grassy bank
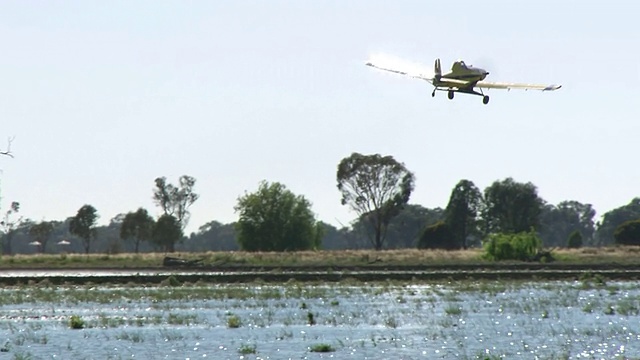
{"points": [[344, 258]]}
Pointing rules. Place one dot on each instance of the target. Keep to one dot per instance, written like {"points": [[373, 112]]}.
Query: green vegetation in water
{"points": [[234, 322], [76, 322], [321, 348], [609, 310], [247, 349], [453, 310], [134, 337], [310, 319], [590, 280], [171, 281]]}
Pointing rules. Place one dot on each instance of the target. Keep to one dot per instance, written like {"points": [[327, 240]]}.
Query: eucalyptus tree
{"points": [[83, 225], [137, 226], [176, 200], [377, 188]]}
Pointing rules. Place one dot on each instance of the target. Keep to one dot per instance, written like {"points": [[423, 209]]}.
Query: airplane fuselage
{"points": [[461, 71]]}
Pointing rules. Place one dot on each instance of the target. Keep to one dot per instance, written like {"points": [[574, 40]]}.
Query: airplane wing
{"points": [[413, 74], [509, 86]]}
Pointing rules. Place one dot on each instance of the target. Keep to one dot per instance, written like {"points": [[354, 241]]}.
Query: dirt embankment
{"points": [[374, 272]]}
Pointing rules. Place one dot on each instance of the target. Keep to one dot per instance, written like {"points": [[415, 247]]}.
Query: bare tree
{"points": [[176, 200], [8, 151]]}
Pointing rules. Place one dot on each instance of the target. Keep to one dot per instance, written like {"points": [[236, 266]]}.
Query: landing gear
{"points": [[433, 94], [485, 99], [450, 94]]}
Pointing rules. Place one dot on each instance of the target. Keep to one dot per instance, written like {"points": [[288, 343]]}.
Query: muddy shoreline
{"points": [[366, 273]]}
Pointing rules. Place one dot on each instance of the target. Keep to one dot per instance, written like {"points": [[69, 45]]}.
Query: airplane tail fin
{"points": [[437, 70]]}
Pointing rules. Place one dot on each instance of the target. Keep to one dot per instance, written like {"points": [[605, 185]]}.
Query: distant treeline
{"points": [[557, 223], [376, 188]]}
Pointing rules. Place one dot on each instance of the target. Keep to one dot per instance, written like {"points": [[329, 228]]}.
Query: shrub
{"points": [[321, 348], [76, 322], [234, 322], [628, 233], [521, 246], [437, 236], [575, 240], [247, 349]]}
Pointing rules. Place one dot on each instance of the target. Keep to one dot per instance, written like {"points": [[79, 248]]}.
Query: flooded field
{"points": [[589, 319]]}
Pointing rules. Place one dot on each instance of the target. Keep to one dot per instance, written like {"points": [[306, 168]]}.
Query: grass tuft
{"points": [[321, 348], [234, 322], [76, 322]]}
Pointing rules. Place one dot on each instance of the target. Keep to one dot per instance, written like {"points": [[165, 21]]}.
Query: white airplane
{"points": [[464, 79]]}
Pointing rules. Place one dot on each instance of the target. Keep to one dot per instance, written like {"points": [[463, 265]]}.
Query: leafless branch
{"points": [[8, 151]]}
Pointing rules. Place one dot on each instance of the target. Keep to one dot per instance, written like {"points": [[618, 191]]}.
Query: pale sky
{"points": [[104, 96]]}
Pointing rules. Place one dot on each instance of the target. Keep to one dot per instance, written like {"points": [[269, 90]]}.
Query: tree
{"points": [[275, 219], [167, 232], [213, 236], [558, 222], [377, 186], [137, 226], [176, 200], [614, 218], [437, 236], [404, 230], [628, 233], [575, 240], [511, 207], [84, 225], [8, 225], [462, 212], [41, 232]]}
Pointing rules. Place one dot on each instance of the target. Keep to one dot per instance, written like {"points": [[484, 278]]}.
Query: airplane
{"points": [[464, 79]]}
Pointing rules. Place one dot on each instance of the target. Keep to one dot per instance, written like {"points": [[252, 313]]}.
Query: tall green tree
{"points": [[614, 218], [176, 200], [377, 187], [557, 222], [404, 230], [167, 232], [137, 226], [575, 240], [84, 225], [275, 219], [41, 232], [511, 207], [461, 214], [628, 233], [437, 236], [8, 225]]}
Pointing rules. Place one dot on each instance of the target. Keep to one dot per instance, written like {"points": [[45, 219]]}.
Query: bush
{"points": [[76, 322], [234, 322], [437, 236], [321, 348], [523, 246], [575, 240], [628, 233]]}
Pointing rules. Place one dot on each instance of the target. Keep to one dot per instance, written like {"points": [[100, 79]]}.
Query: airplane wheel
{"points": [[485, 99], [433, 94], [450, 94]]}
